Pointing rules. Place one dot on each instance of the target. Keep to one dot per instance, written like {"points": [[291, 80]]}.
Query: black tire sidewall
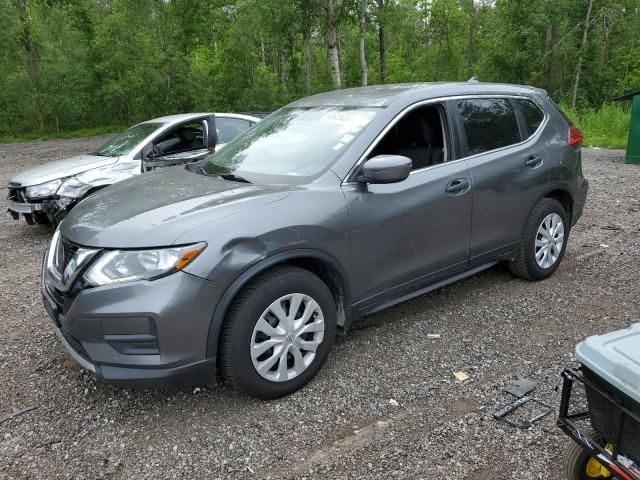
{"points": [[544, 208], [245, 377]]}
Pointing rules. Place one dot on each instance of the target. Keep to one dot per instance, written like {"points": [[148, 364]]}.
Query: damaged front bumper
{"points": [[17, 208], [44, 212]]}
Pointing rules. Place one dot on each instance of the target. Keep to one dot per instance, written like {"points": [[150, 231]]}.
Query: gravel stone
{"points": [[341, 426]]}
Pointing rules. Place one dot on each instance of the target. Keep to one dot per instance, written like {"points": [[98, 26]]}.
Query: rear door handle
{"points": [[533, 161], [458, 186]]}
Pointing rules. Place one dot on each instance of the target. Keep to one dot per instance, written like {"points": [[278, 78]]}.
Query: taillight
{"points": [[575, 135]]}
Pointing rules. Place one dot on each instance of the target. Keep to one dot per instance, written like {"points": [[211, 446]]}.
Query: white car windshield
{"points": [[290, 144], [126, 141]]}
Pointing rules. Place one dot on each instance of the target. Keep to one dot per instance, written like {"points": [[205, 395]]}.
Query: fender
{"points": [[245, 277], [551, 187]]}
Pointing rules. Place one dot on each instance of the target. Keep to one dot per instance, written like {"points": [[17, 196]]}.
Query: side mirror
{"points": [[385, 169], [155, 152]]}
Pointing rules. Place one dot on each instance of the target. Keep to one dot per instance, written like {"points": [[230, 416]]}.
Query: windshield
{"points": [[291, 145], [126, 141]]}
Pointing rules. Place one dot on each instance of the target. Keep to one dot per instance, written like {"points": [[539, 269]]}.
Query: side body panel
{"points": [[407, 231], [565, 162], [507, 183]]}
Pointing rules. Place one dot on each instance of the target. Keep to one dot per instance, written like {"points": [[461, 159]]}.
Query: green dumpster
{"points": [[633, 143]]}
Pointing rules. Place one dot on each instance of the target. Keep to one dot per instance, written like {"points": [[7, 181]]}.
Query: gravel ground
{"points": [[386, 404]]}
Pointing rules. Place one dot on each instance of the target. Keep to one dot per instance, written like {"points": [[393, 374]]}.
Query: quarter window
{"points": [[532, 115], [230, 128], [489, 123]]}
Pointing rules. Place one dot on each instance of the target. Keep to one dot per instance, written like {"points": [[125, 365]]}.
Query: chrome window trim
{"points": [[442, 100]]}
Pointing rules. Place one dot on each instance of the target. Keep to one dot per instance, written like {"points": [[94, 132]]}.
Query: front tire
{"points": [[544, 241], [278, 333]]}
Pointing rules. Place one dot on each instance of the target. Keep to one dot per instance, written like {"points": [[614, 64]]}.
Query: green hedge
{"points": [[84, 132], [606, 127]]}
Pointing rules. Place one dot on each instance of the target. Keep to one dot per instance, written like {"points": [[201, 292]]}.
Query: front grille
{"points": [[69, 249], [65, 251]]}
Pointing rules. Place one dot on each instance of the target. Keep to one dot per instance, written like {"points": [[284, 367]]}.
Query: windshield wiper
{"points": [[233, 177]]}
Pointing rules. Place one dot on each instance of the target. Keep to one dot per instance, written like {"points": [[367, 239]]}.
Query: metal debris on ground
{"points": [[521, 387], [520, 390]]}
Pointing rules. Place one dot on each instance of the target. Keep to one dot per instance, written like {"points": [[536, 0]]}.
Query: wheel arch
{"points": [[322, 264], [559, 192], [562, 195]]}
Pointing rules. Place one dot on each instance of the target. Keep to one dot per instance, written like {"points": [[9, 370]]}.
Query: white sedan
{"points": [[45, 194]]}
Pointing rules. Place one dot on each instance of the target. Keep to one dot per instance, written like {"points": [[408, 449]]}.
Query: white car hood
{"points": [[61, 168]]}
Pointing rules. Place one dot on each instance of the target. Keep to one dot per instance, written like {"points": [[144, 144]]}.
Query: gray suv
{"points": [[335, 206]]}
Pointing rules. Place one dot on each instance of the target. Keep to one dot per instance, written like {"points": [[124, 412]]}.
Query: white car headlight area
{"points": [[72, 187], [117, 266], [43, 190]]}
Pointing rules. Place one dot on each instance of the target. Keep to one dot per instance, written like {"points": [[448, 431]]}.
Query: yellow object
{"points": [[189, 255], [594, 469]]}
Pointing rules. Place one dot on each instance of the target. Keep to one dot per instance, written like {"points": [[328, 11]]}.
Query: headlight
{"points": [[119, 266], [43, 190], [74, 188]]}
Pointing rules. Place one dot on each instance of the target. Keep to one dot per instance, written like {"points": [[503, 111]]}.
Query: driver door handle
{"points": [[458, 186]]}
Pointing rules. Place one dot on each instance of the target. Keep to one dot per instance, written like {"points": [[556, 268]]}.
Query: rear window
{"points": [[489, 123], [532, 115]]}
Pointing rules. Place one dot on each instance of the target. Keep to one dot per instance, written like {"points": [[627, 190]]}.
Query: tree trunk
{"points": [[361, 52], [331, 25], [31, 59], [580, 55], [381, 45], [282, 64], [308, 60], [471, 43], [547, 56]]}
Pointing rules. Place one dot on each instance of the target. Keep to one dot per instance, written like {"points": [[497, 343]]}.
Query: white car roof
{"points": [[181, 117]]}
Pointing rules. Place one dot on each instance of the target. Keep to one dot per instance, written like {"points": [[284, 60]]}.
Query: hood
{"points": [[154, 209], [61, 168]]}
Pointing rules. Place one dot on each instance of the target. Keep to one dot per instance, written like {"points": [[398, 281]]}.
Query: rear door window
{"points": [[489, 124], [531, 114]]}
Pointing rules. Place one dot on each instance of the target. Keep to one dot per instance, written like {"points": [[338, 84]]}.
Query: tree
{"points": [[580, 55], [381, 43], [69, 64], [333, 12], [31, 59], [361, 52]]}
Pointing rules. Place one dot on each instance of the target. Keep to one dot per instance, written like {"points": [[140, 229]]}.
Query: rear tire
{"points": [[278, 333], [540, 252]]}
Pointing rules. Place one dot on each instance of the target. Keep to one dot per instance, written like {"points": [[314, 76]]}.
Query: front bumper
{"points": [[23, 207], [139, 334]]}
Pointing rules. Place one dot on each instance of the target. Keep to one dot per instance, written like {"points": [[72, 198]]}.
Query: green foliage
{"points": [[82, 132], [72, 64], [605, 127]]}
